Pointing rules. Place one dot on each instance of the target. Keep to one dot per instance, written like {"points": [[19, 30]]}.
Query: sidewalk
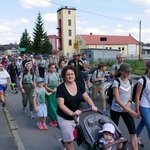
{"points": [[6, 138]]}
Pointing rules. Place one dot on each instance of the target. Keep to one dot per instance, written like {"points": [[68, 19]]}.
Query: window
{"points": [[69, 33], [69, 22], [110, 47], [106, 48], [123, 48], [119, 47], [69, 12], [70, 42]]}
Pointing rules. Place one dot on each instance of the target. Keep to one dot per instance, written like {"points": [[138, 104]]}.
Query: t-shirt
{"points": [[42, 63], [4, 76], [124, 94], [40, 93], [72, 102], [51, 79], [27, 77], [98, 74], [145, 98]]}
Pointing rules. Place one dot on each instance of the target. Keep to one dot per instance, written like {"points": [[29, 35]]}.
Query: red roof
{"points": [[111, 40]]}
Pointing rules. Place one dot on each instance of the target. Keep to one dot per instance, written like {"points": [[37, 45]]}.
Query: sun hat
{"points": [[108, 127], [125, 67], [27, 63], [148, 63], [39, 79]]}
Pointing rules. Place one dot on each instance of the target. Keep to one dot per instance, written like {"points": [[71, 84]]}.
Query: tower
{"points": [[66, 30]]}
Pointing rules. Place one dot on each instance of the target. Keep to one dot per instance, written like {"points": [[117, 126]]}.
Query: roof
{"points": [[111, 40]]}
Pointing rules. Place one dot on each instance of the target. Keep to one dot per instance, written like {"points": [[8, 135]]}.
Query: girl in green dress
{"points": [[51, 83]]}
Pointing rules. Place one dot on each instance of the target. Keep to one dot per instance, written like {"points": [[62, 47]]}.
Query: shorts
{"points": [[85, 76], [42, 111], [67, 128], [3, 87]]}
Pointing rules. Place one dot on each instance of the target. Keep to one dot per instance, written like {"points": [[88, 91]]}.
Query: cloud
{"points": [[17, 21], [93, 30], [119, 25], [118, 32], [143, 2], [79, 22], [128, 18], [4, 28], [35, 3], [147, 11], [134, 30], [50, 17]]}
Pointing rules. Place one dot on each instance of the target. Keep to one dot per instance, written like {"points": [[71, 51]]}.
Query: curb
{"points": [[13, 128]]}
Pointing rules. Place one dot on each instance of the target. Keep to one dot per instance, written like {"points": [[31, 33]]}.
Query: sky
{"points": [[99, 17]]}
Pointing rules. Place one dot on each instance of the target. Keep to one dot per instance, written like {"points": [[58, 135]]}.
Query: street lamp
{"points": [[103, 39]]}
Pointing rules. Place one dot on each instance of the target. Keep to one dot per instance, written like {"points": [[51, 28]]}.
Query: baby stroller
{"points": [[92, 124]]}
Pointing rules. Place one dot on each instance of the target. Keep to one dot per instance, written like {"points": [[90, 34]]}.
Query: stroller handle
{"points": [[83, 111], [118, 141]]}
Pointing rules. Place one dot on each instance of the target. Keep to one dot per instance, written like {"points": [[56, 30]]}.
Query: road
{"points": [[30, 138]]}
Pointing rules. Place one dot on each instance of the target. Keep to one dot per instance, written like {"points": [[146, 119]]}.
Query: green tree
{"points": [[25, 42], [41, 43]]}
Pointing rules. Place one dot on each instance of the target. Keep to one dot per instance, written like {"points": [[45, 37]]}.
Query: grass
{"points": [[138, 66]]}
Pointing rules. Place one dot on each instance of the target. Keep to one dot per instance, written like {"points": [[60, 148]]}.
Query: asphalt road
{"points": [[33, 139]]}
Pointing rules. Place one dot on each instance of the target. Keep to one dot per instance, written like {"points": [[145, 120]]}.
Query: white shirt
{"points": [[145, 98], [4, 76]]}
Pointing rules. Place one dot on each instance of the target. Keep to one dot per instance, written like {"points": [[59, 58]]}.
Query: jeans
{"points": [[145, 114], [140, 127]]}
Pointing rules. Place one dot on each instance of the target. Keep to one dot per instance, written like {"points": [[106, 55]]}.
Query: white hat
{"points": [[31, 55], [108, 127], [19, 57]]}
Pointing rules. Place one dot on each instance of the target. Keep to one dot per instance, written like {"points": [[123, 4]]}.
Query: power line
{"points": [[85, 11]]}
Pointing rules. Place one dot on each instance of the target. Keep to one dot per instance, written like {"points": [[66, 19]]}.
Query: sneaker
{"points": [[39, 126], [32, 116], [62, 144], [3, 104], [53, 123], [23, 110], [106, 113], [140, 145], [45, 127]]}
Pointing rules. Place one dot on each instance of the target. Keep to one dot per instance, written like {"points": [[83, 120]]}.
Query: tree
{"points": [[41, 43], [25, 42]]}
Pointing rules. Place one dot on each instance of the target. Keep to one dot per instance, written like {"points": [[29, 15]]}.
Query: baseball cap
{"points": [[148, 63], [125, 67], [108, 127], [39, 79]]}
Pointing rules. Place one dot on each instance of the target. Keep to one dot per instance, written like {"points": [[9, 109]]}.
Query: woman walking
{"points": [[122, 102], [70, 94], [27, 84], [143, 102]]}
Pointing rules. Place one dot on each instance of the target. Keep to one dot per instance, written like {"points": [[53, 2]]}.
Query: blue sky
{"points": [[109, 17]]}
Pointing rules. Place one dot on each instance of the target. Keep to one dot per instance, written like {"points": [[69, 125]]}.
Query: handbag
{"points": [[78, 134]]}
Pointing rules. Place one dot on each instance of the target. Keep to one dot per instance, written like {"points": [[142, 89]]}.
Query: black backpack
{"points": [[109, 92], [96, 69], [135, 88]]}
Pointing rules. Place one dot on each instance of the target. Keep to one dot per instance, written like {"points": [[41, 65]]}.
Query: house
{"points": [[108, 44], [9, 49]]}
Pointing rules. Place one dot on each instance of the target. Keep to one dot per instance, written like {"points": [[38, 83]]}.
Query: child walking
{"points": [[39, 100]]}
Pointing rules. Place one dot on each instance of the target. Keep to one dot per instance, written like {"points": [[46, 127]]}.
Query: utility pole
{"points": [[140, 46]]}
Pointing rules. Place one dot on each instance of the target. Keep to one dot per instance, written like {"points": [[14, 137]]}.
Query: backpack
{"points": [[135, 88], [109, 91], [92, 75]]}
